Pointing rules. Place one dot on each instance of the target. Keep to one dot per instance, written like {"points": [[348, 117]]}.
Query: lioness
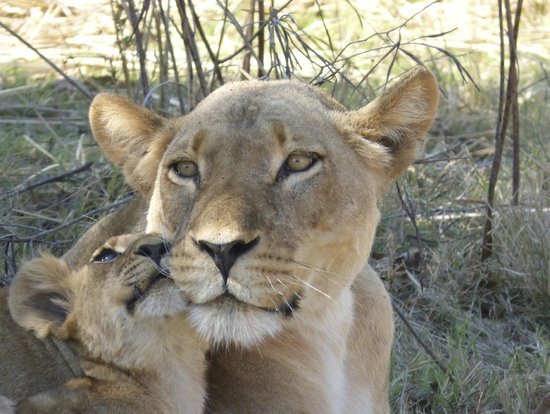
{"points": [[123, 315], [268, 191]]}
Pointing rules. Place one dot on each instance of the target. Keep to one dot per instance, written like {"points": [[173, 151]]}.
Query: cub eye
{"points": [[185, 169], [104, 256], [299, 162]]}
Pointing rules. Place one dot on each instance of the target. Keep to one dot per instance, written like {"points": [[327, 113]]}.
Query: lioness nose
{"points": [[155, 252], [225, 255]]}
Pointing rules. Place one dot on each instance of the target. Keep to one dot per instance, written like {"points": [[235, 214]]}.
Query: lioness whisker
{"points": [[293, 291], [313, 287], [288, 306], [270, 298], [273, 287], [317, 269]]}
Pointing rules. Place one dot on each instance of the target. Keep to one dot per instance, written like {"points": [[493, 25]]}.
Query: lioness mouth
{"points": [[140, 294], [286, 309]]}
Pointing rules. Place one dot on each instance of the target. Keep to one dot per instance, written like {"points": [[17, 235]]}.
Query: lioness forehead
{"points": [[245, 102], [257, 118]]}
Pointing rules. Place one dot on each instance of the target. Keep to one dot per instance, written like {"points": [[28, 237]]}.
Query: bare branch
{"points": [[45, 181], [424, 346], [73, 82]]}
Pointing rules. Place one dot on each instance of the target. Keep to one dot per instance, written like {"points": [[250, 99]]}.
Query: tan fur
{"points": [[128, 219], [312, 230], [27, 364], [137, 351]]}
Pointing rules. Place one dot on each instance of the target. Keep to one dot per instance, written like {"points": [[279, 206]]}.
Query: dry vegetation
{"points": [[472, 336]]}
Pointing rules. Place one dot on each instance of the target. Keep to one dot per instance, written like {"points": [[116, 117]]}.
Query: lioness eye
{"points": [[185, 169], [104, 256], [299, 162]]}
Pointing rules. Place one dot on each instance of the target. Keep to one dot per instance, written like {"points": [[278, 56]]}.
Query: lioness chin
{"points": [[268, 192], [124, 317]]}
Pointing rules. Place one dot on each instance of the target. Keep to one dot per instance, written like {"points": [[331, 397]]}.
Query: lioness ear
{"points": [[40, 296], [400, 117], [132, 137]]}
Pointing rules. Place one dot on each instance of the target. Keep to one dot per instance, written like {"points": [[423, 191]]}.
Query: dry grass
{"points": [[487, 324]]}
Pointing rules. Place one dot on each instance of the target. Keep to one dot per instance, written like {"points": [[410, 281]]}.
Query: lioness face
{"points": [[265, 221], [268, 191]]}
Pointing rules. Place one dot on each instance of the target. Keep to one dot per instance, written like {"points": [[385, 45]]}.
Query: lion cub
{"points": [[124, 317]]}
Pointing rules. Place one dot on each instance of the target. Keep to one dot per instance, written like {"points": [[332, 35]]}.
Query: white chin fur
{"points": [[220, 325], [7, 406], [159, 304]]}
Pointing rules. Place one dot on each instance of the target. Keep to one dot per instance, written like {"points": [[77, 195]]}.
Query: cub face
{"points": [[268, 191], [128, 274], [110, 307]]}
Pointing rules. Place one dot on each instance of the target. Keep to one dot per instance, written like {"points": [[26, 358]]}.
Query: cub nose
{"points": [[225, 255], [155, 251]]}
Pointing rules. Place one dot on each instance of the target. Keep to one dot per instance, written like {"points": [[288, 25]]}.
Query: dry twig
{"points": [[507, 103], [73, 82], [424, 346], [49, 180]]}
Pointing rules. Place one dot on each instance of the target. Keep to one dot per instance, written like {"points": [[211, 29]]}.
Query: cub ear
{"points": [[399, 118], [41, 295], [132, 137]]}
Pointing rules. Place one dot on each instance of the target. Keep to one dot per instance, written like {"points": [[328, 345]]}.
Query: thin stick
{"points": [[10, 267], [170, 49], [259, 33], [135, 21], [513, 38], [162, 59], [261, 38], [73, 82], [116, 11], [239, 29], [14, 239], [219, 46], [424, 346], [511, 90], [409, 208], [487, 243], [214, 58], [55, 178], [188, 38], [249, 31]]}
